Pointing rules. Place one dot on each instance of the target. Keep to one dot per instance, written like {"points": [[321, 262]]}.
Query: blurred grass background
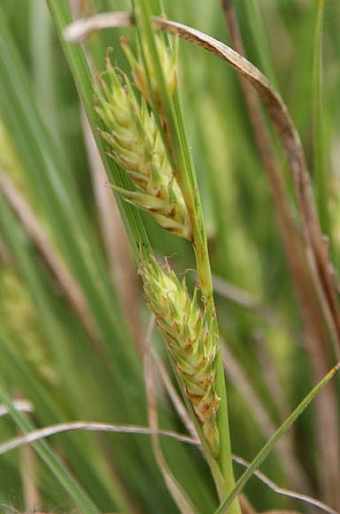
{"points": [[86, 364]]}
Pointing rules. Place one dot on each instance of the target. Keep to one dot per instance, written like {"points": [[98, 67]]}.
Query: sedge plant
{"points": [[66, 343], [137, 137]]}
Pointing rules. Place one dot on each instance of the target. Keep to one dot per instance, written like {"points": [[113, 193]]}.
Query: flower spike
{"points": [[191, 342], [166, 56], [136, 145]]}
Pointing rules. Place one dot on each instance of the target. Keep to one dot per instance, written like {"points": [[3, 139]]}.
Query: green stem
{"points": [[223, 472], [224, 475]]}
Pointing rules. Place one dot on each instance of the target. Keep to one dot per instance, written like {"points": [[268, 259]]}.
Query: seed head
{"points": [[191, 340], [136, 145], [166, 57]]}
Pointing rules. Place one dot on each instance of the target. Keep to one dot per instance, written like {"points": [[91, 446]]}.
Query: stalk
{"points": [[171, 122]]}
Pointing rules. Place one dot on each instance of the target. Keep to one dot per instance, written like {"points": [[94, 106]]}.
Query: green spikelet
{"points": [[166, 57], [192, 342], [136, 145]]}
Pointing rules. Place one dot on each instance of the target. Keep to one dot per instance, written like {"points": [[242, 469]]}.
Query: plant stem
{"points": [[175, 138], [225, 479]]}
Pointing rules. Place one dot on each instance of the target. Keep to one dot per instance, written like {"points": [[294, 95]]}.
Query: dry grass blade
{"points": [[29, 476], [83, 28], [274, 511], [88, 426], [20, 405], [285, 492]]}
